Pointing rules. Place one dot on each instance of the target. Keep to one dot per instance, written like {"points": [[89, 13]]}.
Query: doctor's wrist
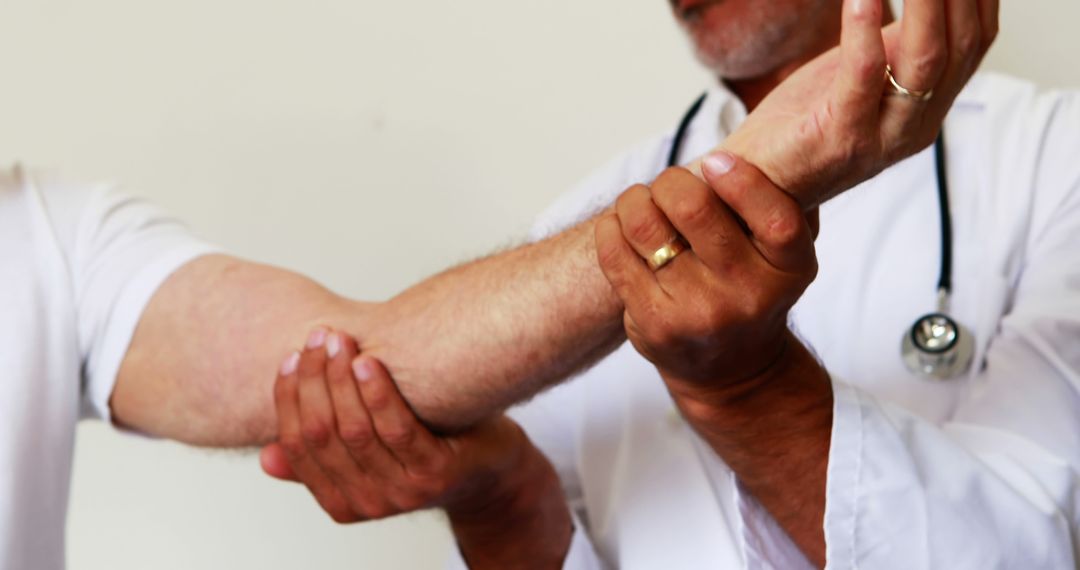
{"points": [[517, 519], [794, 383]]}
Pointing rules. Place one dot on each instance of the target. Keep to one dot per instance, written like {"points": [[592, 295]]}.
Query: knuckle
{"points": [[377, 399], [714, 316], [357, 435], [662, 334], [315, 434], [867, 67], [785, 227], [293, 445], [608, 255], [693, 209], [928, 65], [399, 436], [646, 229], [718, 240], [969, 42]]}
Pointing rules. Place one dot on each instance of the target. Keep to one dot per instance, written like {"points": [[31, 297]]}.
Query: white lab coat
{"points": [[977, 472]]}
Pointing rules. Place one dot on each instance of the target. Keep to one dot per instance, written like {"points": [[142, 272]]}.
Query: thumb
{"points": [[780, 230]]}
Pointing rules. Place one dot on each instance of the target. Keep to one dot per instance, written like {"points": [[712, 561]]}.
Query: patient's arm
{"points": [[468, 342], [483, 336], [462, 344]]}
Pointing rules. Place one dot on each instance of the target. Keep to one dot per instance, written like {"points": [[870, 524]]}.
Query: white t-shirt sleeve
{"points": [[120, 251]]}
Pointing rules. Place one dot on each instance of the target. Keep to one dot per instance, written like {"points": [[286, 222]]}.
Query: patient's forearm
{"points": [[493, 332], [461, 345]]}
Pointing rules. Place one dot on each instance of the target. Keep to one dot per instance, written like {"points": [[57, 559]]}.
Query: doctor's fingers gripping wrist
{"points": [[779, 230], [648, 229], [714, 321], [716, 238]]}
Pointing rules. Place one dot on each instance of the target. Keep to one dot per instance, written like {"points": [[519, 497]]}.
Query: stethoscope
{"points": [[936, 346]]}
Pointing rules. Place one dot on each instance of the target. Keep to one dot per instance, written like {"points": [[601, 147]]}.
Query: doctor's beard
{"points": [[763, 36]]}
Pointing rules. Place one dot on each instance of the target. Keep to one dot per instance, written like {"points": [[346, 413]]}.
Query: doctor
{"points": [[722, 442]]}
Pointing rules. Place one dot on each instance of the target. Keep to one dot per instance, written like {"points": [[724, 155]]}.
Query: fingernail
{"points": [[290, 364], [362, 370], [718, 163], [333, 345], [317, 338], [864, 7]]}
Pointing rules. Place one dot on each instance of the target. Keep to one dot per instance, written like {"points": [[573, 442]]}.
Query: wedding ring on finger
{"points": [[896, 89], [666, 254]]}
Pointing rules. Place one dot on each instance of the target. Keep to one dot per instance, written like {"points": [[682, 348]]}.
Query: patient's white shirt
{"points": [[78, 263]]}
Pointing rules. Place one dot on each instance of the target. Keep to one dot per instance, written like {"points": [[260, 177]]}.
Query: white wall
{"points": [[305, 134]]}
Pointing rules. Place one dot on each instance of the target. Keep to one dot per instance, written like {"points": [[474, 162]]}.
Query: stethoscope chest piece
{"points": [[937, 347]]}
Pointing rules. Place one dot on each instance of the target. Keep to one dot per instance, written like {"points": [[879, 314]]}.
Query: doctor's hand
{"points": [[716, 315], [714, 322], [348, 435], [834, 123]]}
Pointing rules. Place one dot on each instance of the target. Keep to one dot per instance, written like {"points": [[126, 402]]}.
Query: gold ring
{"points": [[664, 255], [897, 89]]}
